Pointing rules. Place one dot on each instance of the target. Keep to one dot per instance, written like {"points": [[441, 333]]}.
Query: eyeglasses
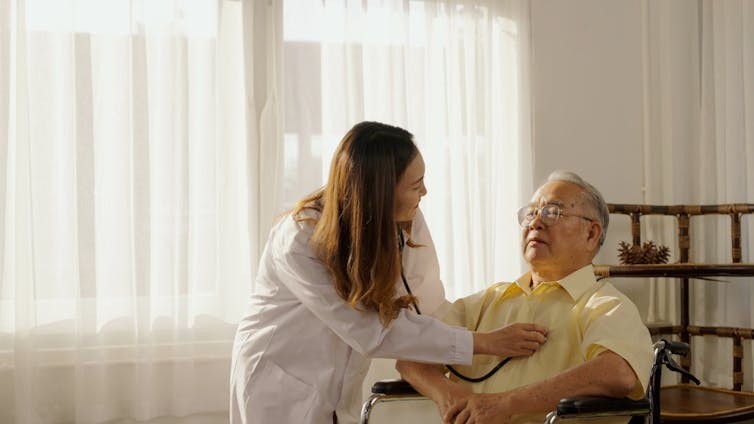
{"points": [[548, 214]]}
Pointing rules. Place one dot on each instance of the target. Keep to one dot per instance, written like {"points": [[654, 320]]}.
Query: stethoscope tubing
{"points": [[401, 243]]}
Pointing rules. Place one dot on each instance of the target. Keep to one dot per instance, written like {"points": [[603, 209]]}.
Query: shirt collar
{"points": [[575, 284]]}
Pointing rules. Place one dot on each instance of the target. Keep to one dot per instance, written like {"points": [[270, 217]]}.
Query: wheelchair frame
{"points": [[582, 407]]}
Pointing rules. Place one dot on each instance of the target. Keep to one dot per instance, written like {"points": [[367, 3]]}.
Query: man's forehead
{"points": [[561, 193]]}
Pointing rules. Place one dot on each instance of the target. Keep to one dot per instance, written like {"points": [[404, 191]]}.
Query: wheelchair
{"points": [[647, 409]]}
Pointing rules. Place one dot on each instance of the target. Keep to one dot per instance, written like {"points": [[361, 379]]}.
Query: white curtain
{"points": [[141, 166], [132, 136], [699, 148], [455, 74]]}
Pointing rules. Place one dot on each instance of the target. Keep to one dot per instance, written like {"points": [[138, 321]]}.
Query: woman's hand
{"points": [[520, 339]]}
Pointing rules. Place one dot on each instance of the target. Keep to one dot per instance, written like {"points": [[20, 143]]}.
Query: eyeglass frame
{"points": [[537, 212]]}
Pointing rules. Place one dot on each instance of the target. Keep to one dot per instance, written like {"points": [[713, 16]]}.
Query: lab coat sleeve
{"points": [[409, 336]]}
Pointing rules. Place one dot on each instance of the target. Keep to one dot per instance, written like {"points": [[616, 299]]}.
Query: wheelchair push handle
{"points": [[677, 348], [664, 349]]}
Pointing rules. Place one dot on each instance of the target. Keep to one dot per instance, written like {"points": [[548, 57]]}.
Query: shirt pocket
{"points": [[276, 396]]}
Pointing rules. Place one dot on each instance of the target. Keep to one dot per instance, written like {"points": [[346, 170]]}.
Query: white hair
{"points": [[592, 196]]}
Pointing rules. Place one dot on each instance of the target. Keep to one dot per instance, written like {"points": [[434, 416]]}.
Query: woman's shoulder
{"points": [[293, 231], [306, 214]]}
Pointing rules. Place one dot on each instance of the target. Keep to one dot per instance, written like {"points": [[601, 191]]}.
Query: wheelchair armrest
{"points": [[393, 387], [597, 406]]}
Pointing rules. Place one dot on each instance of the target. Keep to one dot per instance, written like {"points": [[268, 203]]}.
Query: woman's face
{"points": [[409, 190]]}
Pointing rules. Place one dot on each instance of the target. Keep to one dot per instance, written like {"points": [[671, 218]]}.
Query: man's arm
{"points": [[606, 375], [430, 381]]}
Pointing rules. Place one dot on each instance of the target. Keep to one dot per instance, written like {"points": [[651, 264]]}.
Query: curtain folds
{"points": [[132, 203], [148, 146], [699, 148], [455, 74]]}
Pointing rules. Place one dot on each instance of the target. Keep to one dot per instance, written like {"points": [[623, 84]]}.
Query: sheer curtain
{"points": [[133, 135], [141, 167], [455, 74], [699, 148]]}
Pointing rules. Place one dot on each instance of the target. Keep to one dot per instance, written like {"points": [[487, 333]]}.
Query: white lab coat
{"points": [[301, 352]]}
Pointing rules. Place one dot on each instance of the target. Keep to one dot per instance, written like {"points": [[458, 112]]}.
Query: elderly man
{"points": [[596, 342]]}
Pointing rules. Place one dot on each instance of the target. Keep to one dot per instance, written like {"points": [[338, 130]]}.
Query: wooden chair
{"points": [[686, 403]]}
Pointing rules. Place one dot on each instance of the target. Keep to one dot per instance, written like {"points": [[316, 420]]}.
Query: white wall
{"points": [[587, 103], [587, 89]]}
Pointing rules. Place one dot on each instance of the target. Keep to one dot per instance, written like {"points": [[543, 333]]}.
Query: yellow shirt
{"points": [[583, 317]]}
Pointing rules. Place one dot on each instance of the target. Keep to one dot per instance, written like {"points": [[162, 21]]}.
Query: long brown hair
{"points": [[356, 235]]}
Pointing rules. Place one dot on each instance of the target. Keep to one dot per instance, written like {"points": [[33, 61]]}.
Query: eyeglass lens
{"points": [[547, 213]]}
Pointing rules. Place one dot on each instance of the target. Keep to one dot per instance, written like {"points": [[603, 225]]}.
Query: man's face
{"points": [[570, 242]]}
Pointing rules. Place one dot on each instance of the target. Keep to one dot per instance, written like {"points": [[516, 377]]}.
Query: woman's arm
{"points": [[293, 266]]}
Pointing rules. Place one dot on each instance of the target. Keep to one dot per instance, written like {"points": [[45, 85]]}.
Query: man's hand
{"points": [[429, 380], [452, 401], [520, 339], [479, 409]]}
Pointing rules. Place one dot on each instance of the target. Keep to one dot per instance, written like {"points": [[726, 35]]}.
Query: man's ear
{"points": [[595, 232]]}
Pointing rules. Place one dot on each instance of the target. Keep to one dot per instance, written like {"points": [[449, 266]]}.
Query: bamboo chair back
{"points": [[684, 402]]}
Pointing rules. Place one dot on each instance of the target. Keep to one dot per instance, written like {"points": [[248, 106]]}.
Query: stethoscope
{"points": [[401, 243]]}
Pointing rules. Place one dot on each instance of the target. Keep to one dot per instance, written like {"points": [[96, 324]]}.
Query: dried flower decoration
{"points": [[648, 253]]}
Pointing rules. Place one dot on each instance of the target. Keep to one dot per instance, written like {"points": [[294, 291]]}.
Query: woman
{"points": [[330, 291]]}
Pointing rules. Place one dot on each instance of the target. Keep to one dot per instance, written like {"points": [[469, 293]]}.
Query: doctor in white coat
{"points": [[350, 274]]}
